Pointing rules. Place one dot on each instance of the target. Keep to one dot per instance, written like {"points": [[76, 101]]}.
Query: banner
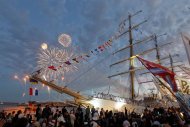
{"points": [[162, 72], [184, 85]]}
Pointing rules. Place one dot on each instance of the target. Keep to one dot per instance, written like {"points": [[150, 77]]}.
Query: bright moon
{"points": [[44, 46]]}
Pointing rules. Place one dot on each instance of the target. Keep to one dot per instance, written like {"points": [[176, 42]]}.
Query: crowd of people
{"points": [[90, 117]]}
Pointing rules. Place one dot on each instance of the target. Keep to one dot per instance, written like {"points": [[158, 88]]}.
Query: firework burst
{"points": [[54, 57]]}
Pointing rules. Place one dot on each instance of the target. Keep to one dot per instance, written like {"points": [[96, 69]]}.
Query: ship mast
{"points": [[171, 62], [158, 54], [131, 67], [131, 70], [157, 49]]}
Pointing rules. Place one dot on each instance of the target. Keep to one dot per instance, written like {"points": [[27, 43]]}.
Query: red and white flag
{"points": [[162, 72]]}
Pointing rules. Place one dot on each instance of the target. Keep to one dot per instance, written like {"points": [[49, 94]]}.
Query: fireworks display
{"points": [[64, 40], [54, 57]]}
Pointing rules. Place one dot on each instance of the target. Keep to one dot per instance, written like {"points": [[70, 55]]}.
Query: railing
{"points": [[111, 97]]}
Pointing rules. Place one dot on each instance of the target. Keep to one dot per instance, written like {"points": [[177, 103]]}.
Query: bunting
{"points": [[52, 68], [81, 58], [68, 63], [101, 48], [86, 55], [75, 59], [95, 51], [78, 59]]}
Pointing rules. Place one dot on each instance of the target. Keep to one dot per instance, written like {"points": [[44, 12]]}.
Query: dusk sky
{"points": [[25, 25]]}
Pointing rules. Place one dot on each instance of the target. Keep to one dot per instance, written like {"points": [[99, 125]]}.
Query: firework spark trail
{"points": [[64, 40], [54, 57]]}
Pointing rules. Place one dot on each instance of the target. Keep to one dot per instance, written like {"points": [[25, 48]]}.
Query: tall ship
{"points": [[133, 96]]}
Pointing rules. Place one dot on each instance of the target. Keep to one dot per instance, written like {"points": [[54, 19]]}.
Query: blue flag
{"points": [[36, 92]]}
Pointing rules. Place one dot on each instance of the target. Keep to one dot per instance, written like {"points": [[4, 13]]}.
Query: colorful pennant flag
{"points": [[68, 63], [75, 59], [81, 58], [101, 48], [163, 72], [92, 52], [108, 44], [96, 50], [33, 81], [86, 55], [52, 68]]}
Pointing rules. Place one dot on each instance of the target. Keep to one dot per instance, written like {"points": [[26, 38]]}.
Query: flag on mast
{"points": [[168, 76], [186, 42], [163, 72], [33, 81]]}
